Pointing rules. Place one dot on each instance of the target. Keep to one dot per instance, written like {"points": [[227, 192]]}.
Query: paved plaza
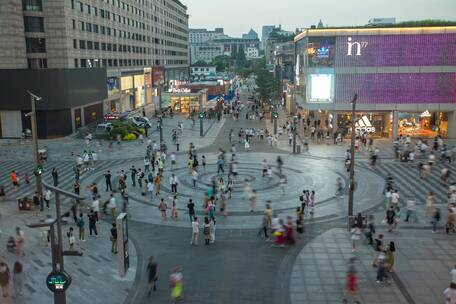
{"points": [[240, 267]]}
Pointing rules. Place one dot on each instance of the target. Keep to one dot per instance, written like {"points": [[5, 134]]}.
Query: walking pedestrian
{"points": [[92, 223], [71, 238], [381, 267], [47, 197], [390, 249], [390, 218], [5, 277], [355, 237], [174, 207], [81, 225], [18, 279], [351, 283], [14, 180], [55, 176], [206, 231], [173, 181], [152, 269], [113, 238], [378, 247], [195, 231], [435, 219], [112, 205], [108, 181], [191, 210], [176, 282], [162, 207], [20, 241]]}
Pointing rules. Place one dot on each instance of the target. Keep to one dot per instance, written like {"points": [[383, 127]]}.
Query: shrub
{"points": [[129, 136]]}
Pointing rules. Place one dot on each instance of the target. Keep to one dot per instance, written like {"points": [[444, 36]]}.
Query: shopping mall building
{"points": [[405, 79]]}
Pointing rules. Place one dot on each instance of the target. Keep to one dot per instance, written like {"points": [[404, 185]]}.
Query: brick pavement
{"points": [[95, 274]]}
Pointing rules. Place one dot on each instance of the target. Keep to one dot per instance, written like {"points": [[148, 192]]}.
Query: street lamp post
{"points": [[39, 186], [160, 116], [352, 159], [295, 120], [201, 115], [57, 249]]}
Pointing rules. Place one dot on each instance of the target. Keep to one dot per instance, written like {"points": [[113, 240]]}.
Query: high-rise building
{"points": [[138, 42], [196, 36], [267, 29], [250, 35]]}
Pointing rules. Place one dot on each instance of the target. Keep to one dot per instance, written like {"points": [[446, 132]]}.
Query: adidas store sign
{"points": [[364, 125]]}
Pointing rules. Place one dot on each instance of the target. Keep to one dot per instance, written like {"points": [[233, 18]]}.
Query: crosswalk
{"points": [[65, 169], [408, 182]]}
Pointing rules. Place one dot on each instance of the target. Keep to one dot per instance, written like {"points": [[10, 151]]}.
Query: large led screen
{"points": [[396, 88], [320, 88], [320, 51], [396, 50]]}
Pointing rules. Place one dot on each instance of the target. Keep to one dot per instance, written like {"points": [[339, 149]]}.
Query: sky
{"points": [[238, 16]]}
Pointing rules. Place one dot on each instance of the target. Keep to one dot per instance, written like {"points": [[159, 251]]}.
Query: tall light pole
{"points": [[58, 280], [39, 185], [295, 120], [160, 116], [352, 159]]}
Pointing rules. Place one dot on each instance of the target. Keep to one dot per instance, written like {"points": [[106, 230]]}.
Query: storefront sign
{"points": [[425, 114], [358, 46], [113, 85], [364, 125], [58, 281]]}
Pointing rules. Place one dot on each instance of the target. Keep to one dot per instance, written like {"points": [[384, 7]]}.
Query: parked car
{"points": [[140, 122], [103, 128]]}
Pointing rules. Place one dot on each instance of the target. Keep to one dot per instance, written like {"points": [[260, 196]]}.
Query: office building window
{"points": [[72, 4], [109, 47], [74, 24], [76, 63], [102, 13], [35, 45], [82, 45], [108, 31], [89, 27], [88, 9], [103, 46], [115, 62], [103, 30], [110, 62], [95, 28], [75, 44], [81, 25], [96, 46], [104, 62], [83, 63], [37, 63], [33, 24], [89, 45], [81, 8], [32, 5], [95, 11]]}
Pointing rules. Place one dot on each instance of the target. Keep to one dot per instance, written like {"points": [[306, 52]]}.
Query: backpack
{"points": [[301, 198], [80, 223]]}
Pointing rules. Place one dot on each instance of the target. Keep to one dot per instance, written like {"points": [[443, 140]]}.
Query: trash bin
{"points": [[298, 149]]}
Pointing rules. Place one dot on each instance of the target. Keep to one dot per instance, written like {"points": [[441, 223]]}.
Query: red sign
{"points": [[158, 74]]}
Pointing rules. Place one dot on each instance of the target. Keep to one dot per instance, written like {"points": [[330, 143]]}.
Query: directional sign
{"points": [[275, 115], [39, 170], [201, 115], [58, 281]]}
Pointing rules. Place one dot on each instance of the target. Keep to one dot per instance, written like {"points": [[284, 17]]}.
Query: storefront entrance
{"points": [[375, 124], [426, 124]]}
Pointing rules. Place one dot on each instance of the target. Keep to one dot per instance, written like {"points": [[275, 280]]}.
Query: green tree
{"points": [[222, 63], [200, 63], [233, 52], [241, 60]]}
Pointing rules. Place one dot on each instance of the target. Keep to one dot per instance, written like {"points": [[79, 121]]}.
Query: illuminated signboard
{"points": [[58, 281], [396, 88], [396, 50], [320, 88]]}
